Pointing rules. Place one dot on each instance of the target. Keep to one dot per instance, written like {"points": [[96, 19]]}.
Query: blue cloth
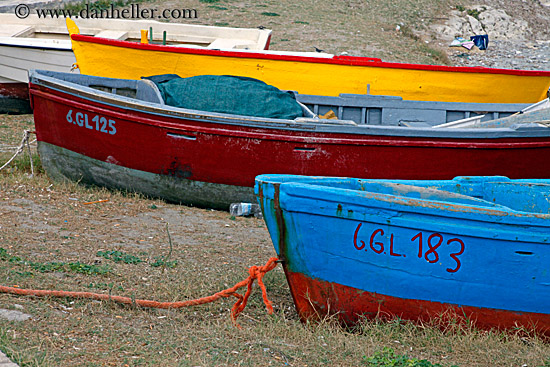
{"points": [[481, 41]]}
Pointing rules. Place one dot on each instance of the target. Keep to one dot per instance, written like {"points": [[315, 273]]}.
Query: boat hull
{"points": [[230, 150], [317, 299], [314, 75], [353, 254], [65, 165], [16, 61], [14, 98]]}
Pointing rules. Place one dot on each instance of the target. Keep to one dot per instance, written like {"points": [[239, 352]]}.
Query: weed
{"points": [[270, 14], [159, 261], [78, 267], [5, 256], [75, 267], [118, 256], [166, 262], [387, 358], [24, 274], [473, 13]]}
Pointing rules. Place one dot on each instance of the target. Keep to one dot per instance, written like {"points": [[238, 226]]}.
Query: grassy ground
{"points": [[53, 236]]}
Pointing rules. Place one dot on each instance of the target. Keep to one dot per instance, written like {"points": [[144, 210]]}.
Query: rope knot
{"points": [[255, 273]]}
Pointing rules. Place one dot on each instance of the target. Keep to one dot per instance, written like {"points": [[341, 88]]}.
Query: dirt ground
{"points": [[58, 236], [62, 236], [75, 222]]}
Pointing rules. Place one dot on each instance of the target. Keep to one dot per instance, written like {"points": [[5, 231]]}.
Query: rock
{"points": [[452, 27], [473, 26], [499, 25], [483, 20], [13, 315], [6, 362]]}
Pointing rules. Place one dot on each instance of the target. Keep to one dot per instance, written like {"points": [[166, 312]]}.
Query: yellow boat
{"points": [[311, 73]]}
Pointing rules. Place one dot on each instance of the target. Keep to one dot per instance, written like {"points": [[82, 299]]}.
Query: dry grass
{"points": [[44, 223]]}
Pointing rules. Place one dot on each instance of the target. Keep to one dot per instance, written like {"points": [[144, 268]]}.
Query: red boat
{"points": [[120, 134]]}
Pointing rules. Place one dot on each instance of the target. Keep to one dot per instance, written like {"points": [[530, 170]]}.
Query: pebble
{"points": [[506, 55]]}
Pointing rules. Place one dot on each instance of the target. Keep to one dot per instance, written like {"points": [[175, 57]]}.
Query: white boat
{"points": [[44, 43]]}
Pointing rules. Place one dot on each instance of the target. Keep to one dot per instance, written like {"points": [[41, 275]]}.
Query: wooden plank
{"points": [[227, 43], [15, 30], [112, 34]]}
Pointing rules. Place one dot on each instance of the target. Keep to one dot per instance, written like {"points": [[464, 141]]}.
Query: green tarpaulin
{"points": [[227, 94]]}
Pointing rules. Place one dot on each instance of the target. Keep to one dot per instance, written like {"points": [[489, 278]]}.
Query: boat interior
{"points": [[531, 196], [360, 109], [174, 34], [497, 192]]}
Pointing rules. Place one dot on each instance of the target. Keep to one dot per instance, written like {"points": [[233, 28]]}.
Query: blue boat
{"points": [[471, 248]]}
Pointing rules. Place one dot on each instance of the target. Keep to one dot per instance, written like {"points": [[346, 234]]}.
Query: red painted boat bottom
{"points": [[14, 98], [14, 90], [315, 299]]}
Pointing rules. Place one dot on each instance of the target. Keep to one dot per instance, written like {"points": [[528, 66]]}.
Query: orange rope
{"points": [[255, 272], [95, 202]]}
